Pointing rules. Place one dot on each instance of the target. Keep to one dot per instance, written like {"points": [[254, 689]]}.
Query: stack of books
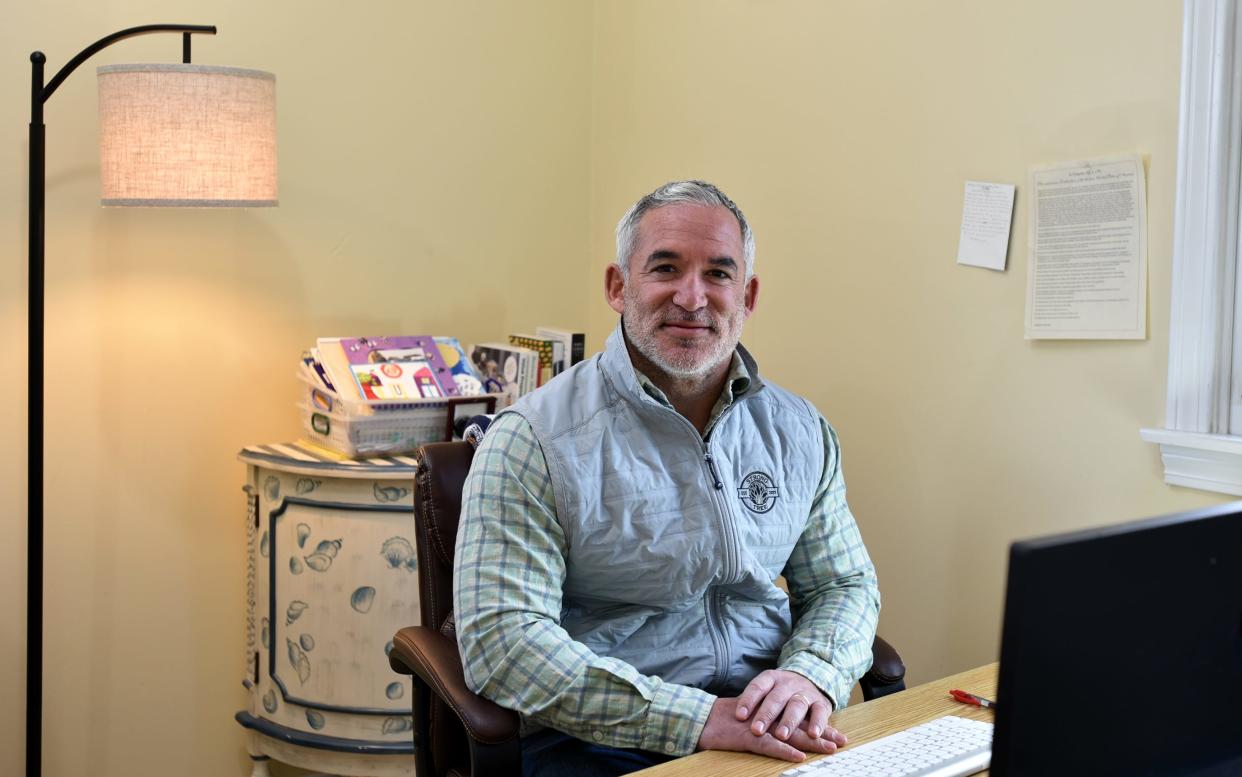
{"points": [[368, 396], [527, 361]]}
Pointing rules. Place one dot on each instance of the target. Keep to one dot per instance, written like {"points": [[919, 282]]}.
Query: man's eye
{"points": [[663, 268], [721, 275]]}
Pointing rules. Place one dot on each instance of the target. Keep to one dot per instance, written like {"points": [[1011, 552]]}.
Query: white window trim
{"points": [[1210, 462], [1196, 445]]}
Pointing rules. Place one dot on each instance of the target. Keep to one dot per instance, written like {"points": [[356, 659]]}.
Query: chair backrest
{"points": [[441, 473]]}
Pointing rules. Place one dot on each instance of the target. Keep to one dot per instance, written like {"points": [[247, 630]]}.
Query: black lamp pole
{"points": [[39, 94]]}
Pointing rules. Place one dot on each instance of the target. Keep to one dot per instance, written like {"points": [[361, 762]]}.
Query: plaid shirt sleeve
{"points": [[507, 585], [832, 588]]}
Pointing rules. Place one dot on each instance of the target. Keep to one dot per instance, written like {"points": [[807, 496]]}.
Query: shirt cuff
{"points": [[825, 676], [675, 719]]}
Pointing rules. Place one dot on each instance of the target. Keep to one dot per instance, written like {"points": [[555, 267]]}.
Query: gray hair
{"points": [[695, 192]]}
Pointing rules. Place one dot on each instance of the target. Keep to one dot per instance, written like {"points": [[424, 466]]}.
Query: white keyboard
{"points": [[944, 747]]}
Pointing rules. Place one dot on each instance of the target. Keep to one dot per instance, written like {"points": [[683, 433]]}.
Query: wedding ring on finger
{"points": [[801, 697]]}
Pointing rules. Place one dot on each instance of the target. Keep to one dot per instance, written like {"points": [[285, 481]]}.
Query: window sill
{"points": [[1209, 462]]}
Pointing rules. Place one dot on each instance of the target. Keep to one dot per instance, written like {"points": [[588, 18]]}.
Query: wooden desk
{"points": [[861, 723]]}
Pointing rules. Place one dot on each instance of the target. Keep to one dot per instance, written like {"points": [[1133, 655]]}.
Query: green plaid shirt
{"points": [[507, 590]]}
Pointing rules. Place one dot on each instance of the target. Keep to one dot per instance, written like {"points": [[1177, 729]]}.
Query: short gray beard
{"points": [[646, 345]]}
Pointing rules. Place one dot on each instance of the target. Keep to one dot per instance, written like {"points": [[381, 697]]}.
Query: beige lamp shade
{"points": [[187, 135]]}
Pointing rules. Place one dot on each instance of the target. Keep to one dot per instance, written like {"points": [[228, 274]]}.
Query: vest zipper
{"points": [[711, 467], [715, 622], [722, 510], [731, 564], [719, 641]]}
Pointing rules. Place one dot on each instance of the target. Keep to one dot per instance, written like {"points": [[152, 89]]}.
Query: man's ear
{"points": [[751, 295], [614, 287]]}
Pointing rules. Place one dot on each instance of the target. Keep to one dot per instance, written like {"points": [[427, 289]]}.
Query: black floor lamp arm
{"points": [[105, 42]]}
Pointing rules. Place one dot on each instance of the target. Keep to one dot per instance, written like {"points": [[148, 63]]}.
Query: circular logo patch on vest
{"points": [[758, 492]]}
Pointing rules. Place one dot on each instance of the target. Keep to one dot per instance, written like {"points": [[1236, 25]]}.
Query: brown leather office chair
{"points": [[457, 733]]}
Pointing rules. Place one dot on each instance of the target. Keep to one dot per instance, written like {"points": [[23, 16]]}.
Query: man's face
{"points": [[686, 296]]}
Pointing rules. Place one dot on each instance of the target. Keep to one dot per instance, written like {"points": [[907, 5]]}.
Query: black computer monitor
{"points": [[1121, 651]]}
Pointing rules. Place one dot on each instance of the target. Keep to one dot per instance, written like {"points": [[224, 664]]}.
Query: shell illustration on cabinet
{"points": [[324, 553], [395, 725], [295, 566], [306, 485], [307, 642], [269, 701], [295, 610], [362, 599], [319, 562], [267, 635], [399, 553], [394, 690], [315, 719], [303, 533], [298, 660], [271, 487], [264, 547], [387, 494]]}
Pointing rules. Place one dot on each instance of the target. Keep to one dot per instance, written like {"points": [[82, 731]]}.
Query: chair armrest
{"points": [[433, 657], [887, 673], [886, 664]]}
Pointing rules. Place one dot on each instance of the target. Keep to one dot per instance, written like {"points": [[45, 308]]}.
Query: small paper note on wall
{"points": [[986, 216]]}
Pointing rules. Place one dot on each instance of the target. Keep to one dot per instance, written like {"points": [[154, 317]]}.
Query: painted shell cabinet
{"points": [[331, 576]]}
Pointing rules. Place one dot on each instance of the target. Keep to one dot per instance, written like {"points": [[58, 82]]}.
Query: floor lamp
{"points": [[170, 135]]}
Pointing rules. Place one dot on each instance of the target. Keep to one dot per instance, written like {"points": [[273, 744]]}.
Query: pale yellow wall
{"points": [[434, 161], [845, 130], [458, 167]]}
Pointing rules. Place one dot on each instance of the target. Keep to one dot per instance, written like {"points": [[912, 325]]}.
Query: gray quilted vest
{"points": [[674, 543]]}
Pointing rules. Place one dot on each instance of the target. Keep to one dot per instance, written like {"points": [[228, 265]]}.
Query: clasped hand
{"points": [[780, 714]]}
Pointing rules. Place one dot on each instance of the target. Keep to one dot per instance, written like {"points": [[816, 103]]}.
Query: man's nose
{"points": [[691, 293]]}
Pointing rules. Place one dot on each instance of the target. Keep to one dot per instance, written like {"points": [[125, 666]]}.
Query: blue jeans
{"points": [[550, 753]]}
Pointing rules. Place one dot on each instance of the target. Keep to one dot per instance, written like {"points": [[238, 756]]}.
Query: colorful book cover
{"points": [[546, 349], [469, 384], [399, 367], [499, 367]]}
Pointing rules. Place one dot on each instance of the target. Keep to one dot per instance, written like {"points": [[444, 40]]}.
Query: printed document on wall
{"points": [[1087, 274]]}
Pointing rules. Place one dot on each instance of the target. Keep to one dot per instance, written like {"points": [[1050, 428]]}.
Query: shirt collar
{"points": [[735, 386]]}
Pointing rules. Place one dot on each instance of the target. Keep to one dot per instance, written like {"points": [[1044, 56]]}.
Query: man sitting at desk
{"points": [[623, 528]]}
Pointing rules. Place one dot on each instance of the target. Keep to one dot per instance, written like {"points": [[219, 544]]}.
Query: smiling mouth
{"points": [[686, 329]]}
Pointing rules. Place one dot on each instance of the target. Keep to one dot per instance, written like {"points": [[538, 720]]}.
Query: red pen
{"points": [[970, 698]]}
